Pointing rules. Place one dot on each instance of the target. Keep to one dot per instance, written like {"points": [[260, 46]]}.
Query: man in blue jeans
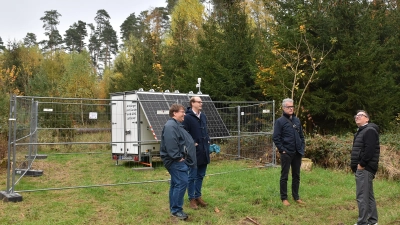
{"points": [[289, 139], [364, 163], [196, 124], [178, 154]]}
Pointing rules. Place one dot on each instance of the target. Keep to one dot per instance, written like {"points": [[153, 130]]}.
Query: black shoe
{"points": [[180, 215]]}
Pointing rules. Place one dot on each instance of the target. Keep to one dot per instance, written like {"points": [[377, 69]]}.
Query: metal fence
{"points": [[54, 139]]}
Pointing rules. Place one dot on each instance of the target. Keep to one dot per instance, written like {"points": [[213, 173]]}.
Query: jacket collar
{"points": [[190, 111], [362, 127], [287, 116]]}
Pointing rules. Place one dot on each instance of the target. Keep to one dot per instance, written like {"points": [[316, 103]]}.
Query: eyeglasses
{"points": [[359, 115], [200, 102], [289, 107]]}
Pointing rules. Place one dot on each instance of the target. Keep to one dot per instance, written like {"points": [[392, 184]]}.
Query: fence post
{"points": [[31, 139], [273, 127], [238, 121], [9, 194]]}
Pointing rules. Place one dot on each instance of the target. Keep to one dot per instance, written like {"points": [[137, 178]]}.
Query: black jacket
{"points": [[288, 136], [197, 128], [366, 148]]}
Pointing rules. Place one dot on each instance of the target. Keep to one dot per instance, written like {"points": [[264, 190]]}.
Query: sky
{"points": [[18, 17]]}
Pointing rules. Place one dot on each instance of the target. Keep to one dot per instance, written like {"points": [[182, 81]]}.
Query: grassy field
{"points": [[237, 193]]}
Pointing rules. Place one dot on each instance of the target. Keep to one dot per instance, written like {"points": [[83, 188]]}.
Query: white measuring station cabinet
{"points": [[138, 118]]}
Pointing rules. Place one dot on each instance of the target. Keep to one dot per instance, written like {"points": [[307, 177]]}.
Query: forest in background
{"points": [[331, 57]]}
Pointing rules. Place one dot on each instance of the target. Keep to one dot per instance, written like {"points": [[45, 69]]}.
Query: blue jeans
{"points": [[292, 160], [179, 181], [196, 175], [367, 213]]}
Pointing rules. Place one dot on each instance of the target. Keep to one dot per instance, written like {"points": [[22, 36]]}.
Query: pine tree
{"points": [[51, 20], [30, 40], [75, 37]]}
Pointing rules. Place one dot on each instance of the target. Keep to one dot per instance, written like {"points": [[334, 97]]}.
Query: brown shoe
{"points": [[201, 202], [300, 202], [193, 204], [285, 202]]}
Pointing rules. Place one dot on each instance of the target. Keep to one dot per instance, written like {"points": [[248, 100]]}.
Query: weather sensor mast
{"points": [[198, 85]]}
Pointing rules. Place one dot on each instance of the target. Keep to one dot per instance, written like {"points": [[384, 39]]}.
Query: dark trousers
{"points": [[367, 212], [292, 160], [195, 182]]}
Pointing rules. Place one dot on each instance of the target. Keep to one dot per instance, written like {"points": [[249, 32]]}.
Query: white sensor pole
{"points": [[198, 85]]}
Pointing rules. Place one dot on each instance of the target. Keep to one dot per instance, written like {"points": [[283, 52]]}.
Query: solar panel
{"points": [[216, 127], [156, 109], [177, 98], [153, 103]]}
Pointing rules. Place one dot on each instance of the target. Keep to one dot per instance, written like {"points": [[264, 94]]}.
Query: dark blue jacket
{"points": [[197, 128], [366, 148], [176, 143], [289, 136]]}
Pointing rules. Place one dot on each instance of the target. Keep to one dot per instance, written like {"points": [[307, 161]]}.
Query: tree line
{"points": [[331, 57]]}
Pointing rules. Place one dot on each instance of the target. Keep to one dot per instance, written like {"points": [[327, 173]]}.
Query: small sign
{"points": [[162, 112], [47, 110], [266, 111], [93, 115]]}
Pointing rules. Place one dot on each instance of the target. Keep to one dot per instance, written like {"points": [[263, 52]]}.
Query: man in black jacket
{"points": [[364, 163], [196, 124], [289, 139]]}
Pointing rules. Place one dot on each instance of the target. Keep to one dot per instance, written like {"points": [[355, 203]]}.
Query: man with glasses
{"points": [[364, 163], [178, 154], [289, 139], [196, 124]]}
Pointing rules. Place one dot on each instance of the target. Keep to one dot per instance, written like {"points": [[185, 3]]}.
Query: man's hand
{"points": [[359, 167]]}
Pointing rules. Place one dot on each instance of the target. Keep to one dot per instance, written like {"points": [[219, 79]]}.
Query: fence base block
{"points": [[36, 157], [143, 168], [10, 197], [29, 173], [271, 165]]}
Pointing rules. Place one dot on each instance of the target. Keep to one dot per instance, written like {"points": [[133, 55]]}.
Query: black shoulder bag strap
{"points": [[293, 125]]}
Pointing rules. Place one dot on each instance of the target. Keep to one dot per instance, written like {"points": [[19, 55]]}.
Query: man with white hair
{"points": [[289, 139]]}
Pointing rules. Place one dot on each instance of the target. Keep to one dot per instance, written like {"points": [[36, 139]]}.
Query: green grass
{"points": [[236, 189]]}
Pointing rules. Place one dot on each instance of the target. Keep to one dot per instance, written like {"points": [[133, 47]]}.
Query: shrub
{"points": [[389, 162], [334, 152], [329, 151], [3, 146]]}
